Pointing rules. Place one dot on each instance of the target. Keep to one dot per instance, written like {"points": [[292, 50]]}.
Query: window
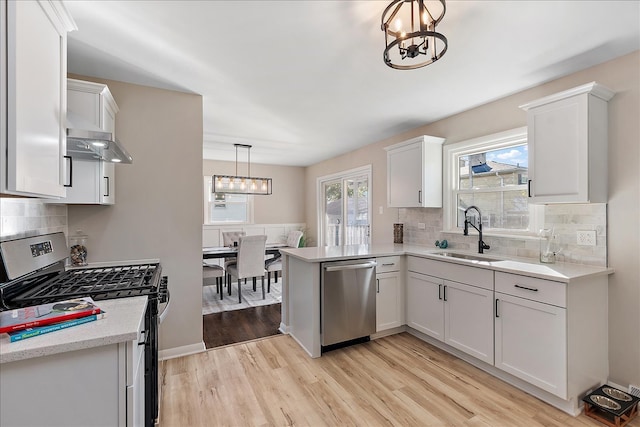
{"points": [[490, 173], [222, 208]]}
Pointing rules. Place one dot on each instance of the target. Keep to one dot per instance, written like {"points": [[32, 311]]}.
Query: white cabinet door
{"points": [[468, 319], [388, 301], [531, 342], [89, 182], [425, 304], [567, 138], [36, 67], [414, 173]]}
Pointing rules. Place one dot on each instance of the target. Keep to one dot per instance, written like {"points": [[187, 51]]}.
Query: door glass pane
{"points": [[333, 213], [357, 218]]}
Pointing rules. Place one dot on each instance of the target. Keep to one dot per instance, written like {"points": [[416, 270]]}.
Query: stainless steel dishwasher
{"points": [[348, 300]]}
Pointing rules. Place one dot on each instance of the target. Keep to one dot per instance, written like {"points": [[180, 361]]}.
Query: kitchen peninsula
{"points": [[550, 320]]}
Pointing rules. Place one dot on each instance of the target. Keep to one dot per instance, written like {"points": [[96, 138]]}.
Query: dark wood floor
{"points": [[229, 327]]}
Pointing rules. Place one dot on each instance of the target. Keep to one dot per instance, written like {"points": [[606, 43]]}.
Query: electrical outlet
{"points": [[421, 226], [587, 237]]}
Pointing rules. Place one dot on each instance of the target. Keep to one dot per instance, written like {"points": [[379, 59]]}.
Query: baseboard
{"points": [[388, 332], [172, 353], [284, 328]]}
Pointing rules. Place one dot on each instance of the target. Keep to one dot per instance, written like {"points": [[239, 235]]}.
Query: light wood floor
{"points": [[397, 380]]}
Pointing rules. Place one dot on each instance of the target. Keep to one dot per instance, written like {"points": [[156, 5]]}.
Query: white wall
{"points": [[285, 205], [158, 210]]}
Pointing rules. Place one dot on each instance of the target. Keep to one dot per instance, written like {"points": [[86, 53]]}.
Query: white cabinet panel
{"points": [[388, 300], [531, 342], [567, 138], [414, 173], [468, 319], [34, 64], [425, 308]]}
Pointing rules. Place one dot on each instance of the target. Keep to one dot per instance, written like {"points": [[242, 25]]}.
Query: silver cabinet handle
{"points": [[389, 264], [525, 288], [378, 286]]}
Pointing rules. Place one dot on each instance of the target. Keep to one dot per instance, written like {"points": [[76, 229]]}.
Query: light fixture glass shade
{"points": [[235, 184], [409, 27], [241, 185]]}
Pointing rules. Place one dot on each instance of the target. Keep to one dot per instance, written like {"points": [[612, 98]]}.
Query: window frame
{"points": [[207, 220], [451, 153]]}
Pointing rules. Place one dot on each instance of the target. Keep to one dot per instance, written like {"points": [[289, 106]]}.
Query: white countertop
{"points": [[121, 324], [560, 272]]}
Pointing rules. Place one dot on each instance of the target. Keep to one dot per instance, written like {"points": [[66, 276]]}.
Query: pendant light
{"points": [[410, 36], [236, 184]]}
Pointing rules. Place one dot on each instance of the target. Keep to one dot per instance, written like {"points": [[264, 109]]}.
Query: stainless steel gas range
{"points": [[32, 271]]}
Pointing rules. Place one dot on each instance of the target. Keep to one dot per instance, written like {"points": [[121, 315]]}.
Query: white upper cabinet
{"points": [[33, 75], [90, 181], [414, 173], [567, 137]]}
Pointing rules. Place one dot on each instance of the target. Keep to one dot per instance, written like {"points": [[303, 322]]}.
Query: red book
{"points": [[46, 314]]}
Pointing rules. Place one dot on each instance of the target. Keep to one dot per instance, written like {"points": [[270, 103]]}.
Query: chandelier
{"points": [[235, 184], [410, 36]]}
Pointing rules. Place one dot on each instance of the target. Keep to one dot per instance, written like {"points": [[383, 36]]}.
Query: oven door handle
{"points": [[165, 311]]}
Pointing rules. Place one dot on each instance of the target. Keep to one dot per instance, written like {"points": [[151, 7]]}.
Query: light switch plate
{"points": [[586, 237]]}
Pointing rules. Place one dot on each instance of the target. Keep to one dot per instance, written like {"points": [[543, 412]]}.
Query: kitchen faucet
{"points": [[481, 245]]}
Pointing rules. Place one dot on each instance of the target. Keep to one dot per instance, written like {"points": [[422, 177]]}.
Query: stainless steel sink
{"points": [[469, 257]]}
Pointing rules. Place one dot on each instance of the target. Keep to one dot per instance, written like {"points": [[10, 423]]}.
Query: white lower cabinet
{"points": [[389, 295], [459, 314], [468, 314], [425, 310], [531, 342], [99, 386]]}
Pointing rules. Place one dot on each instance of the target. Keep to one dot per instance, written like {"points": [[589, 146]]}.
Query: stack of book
{"points": [[28, 322]]}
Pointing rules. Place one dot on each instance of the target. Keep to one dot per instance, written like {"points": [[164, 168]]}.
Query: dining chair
{"points": [[250, 262], [210, 272], [229, 239], [273, 265]]}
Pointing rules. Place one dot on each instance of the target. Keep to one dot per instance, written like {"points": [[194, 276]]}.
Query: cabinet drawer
{"points": [[475, 276], [388, 263], [545, 291]]}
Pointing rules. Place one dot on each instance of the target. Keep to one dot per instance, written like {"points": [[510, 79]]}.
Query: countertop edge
{"points": [[120, 325], [559, 272]]}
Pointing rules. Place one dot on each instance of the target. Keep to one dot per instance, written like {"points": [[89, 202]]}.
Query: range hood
{"points": [[85, 141]]}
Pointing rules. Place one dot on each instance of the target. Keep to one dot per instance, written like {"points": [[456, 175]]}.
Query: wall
{"points": [[21, 217], [285, 205], [158, 210], [623, 229]]}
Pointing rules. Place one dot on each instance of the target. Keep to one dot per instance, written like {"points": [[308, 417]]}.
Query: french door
{"points": [[345, 202]]}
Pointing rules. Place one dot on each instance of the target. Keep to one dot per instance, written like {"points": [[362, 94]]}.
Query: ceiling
{"points": [[304, 81]]}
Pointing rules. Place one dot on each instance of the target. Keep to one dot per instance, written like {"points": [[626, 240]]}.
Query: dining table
{"points": [[212, 252]]}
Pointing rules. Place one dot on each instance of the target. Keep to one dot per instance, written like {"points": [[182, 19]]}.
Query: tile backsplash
{"points": [[565, 219], [21, 217]]}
